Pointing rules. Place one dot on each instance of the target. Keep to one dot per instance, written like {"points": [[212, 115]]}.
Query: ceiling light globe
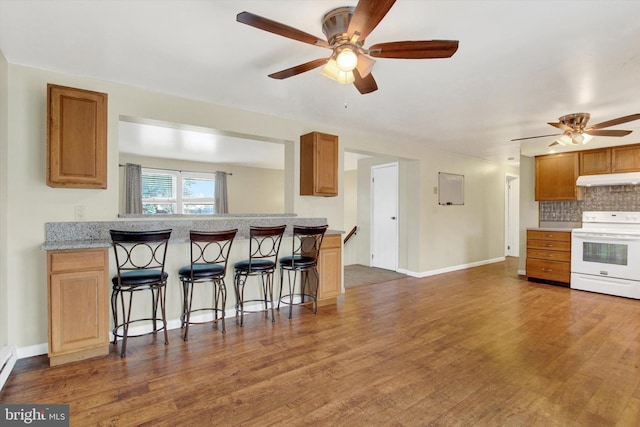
{"points": [[347, 60]]}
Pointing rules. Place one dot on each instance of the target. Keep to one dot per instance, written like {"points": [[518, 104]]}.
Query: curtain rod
{"points": [[175, 170]]}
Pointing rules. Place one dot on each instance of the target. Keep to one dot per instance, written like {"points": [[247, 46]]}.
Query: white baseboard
{"points": [[522, 272], [39, 349], [449, 269], [8, 357]]}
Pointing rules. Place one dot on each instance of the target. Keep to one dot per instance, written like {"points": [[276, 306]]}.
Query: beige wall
{"points": [[4, 205], [433, 237], [350, 179], [528, 206], [249, 190]]}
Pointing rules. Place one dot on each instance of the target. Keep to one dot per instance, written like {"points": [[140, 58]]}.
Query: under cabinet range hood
{"points": [[629, 178]]}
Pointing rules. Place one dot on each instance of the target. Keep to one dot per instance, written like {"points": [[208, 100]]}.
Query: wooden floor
{"points": [[479, 347]]}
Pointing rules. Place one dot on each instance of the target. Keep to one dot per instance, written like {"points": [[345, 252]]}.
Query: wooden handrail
{"points": [[351, 233]]}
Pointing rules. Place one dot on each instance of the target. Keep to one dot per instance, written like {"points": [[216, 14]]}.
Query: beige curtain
{"points": [[133, 189], [221, 193]]}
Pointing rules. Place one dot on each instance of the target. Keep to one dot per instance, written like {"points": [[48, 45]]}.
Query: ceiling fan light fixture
{"points": [[332, 71], [564, 140], [346, 59], [365, 65], [579, 139]]}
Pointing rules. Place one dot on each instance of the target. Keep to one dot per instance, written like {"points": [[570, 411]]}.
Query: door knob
{"points": [[393, 217]]}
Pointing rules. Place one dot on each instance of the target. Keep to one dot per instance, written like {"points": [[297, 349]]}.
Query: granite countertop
{"points": [[556, 226], [87, 235], [549, 229]]}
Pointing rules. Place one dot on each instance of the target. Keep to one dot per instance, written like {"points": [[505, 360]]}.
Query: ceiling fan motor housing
{"points": [[335, 24], [577, 121]]}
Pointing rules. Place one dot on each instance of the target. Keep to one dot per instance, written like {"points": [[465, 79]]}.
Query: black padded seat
{"points": [[264, 244], [140, 259], [209, 255], [303, 260]]}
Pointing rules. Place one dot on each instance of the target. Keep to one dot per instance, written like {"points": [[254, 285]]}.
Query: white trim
{"points": [[32, 350], [449, 269], [40, 349], [8, 357], [522, 272]]}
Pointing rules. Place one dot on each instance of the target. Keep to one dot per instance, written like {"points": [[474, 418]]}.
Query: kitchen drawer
{"points": [[553, 245], [549, 270], [74, 260], [549, 255], [562, 236]]}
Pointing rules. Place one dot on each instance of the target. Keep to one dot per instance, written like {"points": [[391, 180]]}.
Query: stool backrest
{"points": [[264, 242], [140, 250], [211, 247], [307, 241]]}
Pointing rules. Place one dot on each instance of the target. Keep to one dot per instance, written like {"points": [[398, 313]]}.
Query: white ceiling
{"points": [[520, 64]]}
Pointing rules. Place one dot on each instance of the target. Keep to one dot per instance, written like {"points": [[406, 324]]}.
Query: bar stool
{"points": [[209, 255], [140, 258], [264, 244], [306, 244]]}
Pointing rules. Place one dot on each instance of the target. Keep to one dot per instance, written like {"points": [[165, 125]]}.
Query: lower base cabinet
{"points": [[549, 255], [330, 269], [78, 304]]}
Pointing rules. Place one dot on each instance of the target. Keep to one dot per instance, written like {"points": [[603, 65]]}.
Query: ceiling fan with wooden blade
{"points": [[574, 127], [346, 29]]}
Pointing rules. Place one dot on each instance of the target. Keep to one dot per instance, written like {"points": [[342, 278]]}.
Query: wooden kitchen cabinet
{"points": [[625, 158], [318, 164], [595, 162], [556, 176], [78, 306], [330, 269], [549, 255], [76, 138]]}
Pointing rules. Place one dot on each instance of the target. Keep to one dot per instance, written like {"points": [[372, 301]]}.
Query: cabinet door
{"points": [[594, 162], [556, 176], [625, 158], [78, 310], [318, 164], [330, 267], [76, 138]]}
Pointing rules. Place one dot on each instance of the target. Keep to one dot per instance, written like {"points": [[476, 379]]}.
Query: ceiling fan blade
{"points": [[365, 84], [367, 16], [617, 121], [422, 49], [561, 126], [539, 136], [608, 132], [279, 29], [299, 69]]}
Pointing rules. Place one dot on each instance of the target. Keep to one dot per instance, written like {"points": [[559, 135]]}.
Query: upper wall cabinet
{"points": [[625, 158], [318, 164], [76, 138], [556, 176], [594, 162]]}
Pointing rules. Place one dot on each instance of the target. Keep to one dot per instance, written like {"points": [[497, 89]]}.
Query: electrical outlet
{"points": [[80, 212]]}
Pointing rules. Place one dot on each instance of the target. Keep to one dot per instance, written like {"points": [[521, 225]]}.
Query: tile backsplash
{"points": [[601, 198]]}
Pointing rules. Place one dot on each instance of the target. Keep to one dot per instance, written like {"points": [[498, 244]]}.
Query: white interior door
{"points": [[512, 214], [384, 216]]}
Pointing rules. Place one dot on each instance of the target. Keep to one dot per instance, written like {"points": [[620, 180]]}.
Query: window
{"points": [[175, 192]]}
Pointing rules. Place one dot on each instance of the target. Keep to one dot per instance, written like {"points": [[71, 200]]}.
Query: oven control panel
{"points": [[604, 217]]}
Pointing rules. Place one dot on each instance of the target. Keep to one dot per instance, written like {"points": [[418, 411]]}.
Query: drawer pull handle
{"points": [[548, 245], [548, 235]]}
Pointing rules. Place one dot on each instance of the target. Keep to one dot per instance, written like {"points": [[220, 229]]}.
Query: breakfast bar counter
{"points": [[80, 264]]}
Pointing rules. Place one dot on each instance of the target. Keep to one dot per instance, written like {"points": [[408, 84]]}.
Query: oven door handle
{"points": [[606, 236]]}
